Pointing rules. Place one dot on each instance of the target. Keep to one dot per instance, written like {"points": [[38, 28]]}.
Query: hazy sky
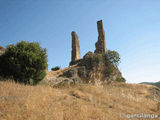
{"points": [[132, 28]]}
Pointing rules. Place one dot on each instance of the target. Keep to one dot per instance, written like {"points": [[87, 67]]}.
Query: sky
{"points": [[132, 28]]}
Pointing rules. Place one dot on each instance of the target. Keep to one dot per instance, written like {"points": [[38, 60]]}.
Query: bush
{"points": [[114, 57], [110, 68], [112, 61], [24, 62], [55, 68], [120, 80]]}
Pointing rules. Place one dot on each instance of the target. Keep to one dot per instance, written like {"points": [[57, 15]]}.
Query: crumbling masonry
{"points": [[100, 44], [75, 48]]}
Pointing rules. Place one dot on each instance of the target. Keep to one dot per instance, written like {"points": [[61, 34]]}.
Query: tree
{"points": [[55, 68], [114, 57], [25, 62]]}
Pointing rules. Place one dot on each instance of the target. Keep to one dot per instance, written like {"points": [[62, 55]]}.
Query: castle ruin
{"points": [[100, 44], [92, 68], [75, 48]]}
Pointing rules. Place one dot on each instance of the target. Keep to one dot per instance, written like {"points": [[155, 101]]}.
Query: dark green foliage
{"points": [[110, 68], [120, 79], [112, 61], [25, 62], [55, 68], [114, 57], [99, 58]]}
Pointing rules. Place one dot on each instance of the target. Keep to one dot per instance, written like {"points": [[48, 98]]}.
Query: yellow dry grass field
{"points": [[79, 102]]}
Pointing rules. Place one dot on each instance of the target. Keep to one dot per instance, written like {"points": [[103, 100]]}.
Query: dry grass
{"points": [[58, 72], [83, 102], [52, 75]]}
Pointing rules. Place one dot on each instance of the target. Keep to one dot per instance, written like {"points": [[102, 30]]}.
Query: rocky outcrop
{"points": [[75, 49], [93, 67], [101, 43], [2, 50]]}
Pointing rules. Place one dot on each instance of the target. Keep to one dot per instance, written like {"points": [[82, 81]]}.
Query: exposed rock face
{"points": [[101, 43], [2, 50], [70, 73], [75, 48], [93, 67]]}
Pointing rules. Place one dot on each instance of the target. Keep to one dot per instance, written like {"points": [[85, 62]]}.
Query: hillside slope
{"points": [[152, 83], [93, 68], [79, 102]]}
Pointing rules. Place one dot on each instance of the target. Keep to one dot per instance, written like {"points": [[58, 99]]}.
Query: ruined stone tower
{"points": [[101, 43], [75, 48]]}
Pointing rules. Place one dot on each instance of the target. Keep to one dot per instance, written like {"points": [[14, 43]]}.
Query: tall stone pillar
{"points": [[101, 43], [75, 48]]}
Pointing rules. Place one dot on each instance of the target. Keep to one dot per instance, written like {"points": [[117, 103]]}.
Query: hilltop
{"points": [[87, 102], [90, 88], [98, 67], [152, 83]]}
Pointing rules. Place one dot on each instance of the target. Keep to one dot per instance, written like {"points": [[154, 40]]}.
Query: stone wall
{"points": [[101, 43], [75, 55]]}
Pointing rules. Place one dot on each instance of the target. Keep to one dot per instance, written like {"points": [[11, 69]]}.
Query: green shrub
{"points": [[99, 58], [120, 79], [55, 68], [24, 62], [110, 68], [114, 57], [111, 62]]}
